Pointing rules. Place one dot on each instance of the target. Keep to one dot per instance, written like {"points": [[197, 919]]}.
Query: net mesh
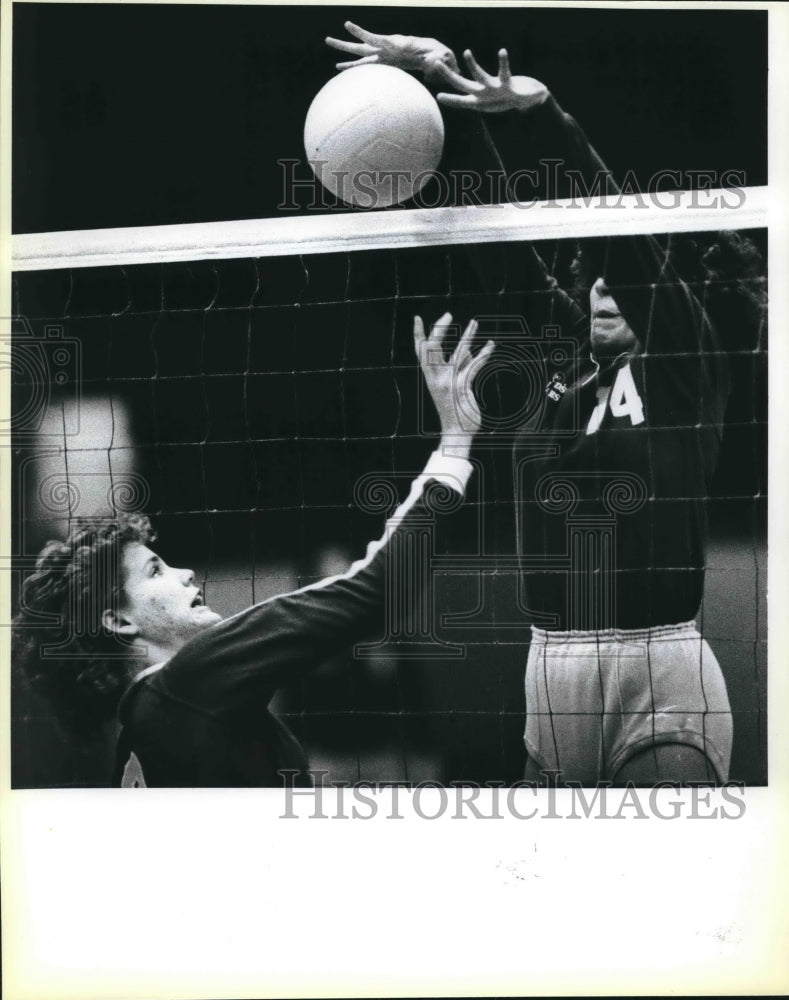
{"points": [[238, 402]]}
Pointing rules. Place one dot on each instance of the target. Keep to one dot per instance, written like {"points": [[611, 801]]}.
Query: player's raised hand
{"points": [[491, 94], [406, 52], [450, 380]]}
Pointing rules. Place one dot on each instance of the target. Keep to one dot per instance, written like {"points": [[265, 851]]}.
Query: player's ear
{"points": [[115, 621]]}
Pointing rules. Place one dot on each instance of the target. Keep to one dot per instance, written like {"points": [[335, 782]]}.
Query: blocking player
{"points": [[620, 685], [193, 702]]}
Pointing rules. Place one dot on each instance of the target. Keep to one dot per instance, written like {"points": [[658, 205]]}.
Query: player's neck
{"points": [[153, 654], [608, 365]]}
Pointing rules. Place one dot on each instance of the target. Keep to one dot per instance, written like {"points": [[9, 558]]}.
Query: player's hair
{"points": [[79, 665], [725, 270], [727, 273]]}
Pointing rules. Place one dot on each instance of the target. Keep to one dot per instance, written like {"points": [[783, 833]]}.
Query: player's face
{"points": [[162, 603], [610, 333]]}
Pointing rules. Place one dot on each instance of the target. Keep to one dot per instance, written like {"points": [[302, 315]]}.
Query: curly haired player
{"points": [[620, 685], [197, 715]]}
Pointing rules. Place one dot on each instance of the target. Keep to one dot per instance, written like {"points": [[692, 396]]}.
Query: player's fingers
{"points": [[449, 73], [419, 333], [458, 100], [365, 61], [439, 329], [475, 69], [505, 73], [365, 36], [355, 48], [484, 354], [463, 350], [471, 371], [454, 79]]}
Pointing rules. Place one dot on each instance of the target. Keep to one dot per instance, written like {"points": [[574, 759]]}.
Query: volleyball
{"points": [[373, 135]]}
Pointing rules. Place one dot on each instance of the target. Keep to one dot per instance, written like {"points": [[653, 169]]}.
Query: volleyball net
{"points": [[237, 381]]}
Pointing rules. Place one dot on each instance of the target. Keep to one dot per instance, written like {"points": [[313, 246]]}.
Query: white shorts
{"points": [[594, 699]]}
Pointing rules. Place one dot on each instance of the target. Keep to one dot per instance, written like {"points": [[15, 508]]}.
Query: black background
{"points": [[147, 115]]}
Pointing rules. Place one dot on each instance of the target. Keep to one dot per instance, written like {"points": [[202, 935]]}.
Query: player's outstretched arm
{"points": [[407, 52], [558, 135], [666, 320], [245, 658]]}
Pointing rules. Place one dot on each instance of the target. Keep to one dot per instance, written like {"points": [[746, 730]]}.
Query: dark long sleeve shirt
{"points": [[612, 525], [202, 718]]}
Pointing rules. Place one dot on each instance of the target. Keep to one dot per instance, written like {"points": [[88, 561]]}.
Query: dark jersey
{"points": [[202, 719], [611, 485]]}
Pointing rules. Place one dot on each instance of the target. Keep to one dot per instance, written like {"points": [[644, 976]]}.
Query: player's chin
{"points": [[607, 337], [203, 617]]}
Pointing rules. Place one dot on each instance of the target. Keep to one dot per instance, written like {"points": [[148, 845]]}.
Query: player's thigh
{"points": [[677, 762]]}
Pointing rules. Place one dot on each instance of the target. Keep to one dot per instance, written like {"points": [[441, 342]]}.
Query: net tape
{"points": [[690, 211]]}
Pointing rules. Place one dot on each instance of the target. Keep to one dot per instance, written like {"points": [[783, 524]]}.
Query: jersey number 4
{"points": [[622, 399]]}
